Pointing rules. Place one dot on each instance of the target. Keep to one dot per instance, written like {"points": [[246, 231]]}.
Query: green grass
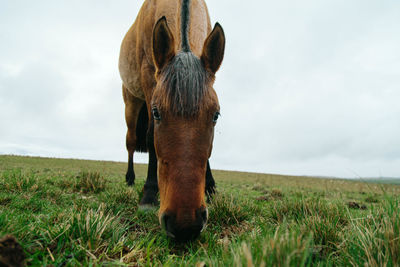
{"points": [[75, 212], [384, 181]]}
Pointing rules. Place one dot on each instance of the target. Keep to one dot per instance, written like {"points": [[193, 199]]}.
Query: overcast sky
{"points": [[306, 87]]}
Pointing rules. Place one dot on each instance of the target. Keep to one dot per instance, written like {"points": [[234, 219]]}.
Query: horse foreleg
{"points": [[150, 188], [132, 109], [210, 183], [130, 173]]}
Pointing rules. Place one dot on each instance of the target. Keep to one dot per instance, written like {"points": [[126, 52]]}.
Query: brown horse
{"points": [[168, 62]]}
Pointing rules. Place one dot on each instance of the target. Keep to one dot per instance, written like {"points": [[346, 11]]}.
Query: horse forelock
{"points": [[183, 85]]}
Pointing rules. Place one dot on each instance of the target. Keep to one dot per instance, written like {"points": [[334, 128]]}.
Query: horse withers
{"points": [[167, 63]]}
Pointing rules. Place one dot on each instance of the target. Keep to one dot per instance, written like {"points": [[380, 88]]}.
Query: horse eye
{"points": [[156, 114], [216, 115]]}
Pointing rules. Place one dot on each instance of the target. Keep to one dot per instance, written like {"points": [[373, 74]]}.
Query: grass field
{"points": [[74, 212]]}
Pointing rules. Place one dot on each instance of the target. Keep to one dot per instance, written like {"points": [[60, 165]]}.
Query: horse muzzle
{"points": [[187, 228]]}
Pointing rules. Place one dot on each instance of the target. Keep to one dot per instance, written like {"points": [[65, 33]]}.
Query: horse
{"points": [[168, 61]]}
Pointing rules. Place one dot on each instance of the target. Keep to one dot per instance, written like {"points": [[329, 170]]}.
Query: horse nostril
{"points": [[204, 215], [203, 212], [163, 221], [166, 224]]}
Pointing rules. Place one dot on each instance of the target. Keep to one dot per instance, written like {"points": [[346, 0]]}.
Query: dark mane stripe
{"points": [[185, 19]]}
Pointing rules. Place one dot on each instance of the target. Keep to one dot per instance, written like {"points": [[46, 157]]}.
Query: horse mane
{"points": [[183, 85], [185, 19]]}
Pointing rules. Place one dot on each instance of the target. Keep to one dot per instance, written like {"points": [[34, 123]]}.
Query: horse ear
{"points": [[213, 49], [163, 43]]}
